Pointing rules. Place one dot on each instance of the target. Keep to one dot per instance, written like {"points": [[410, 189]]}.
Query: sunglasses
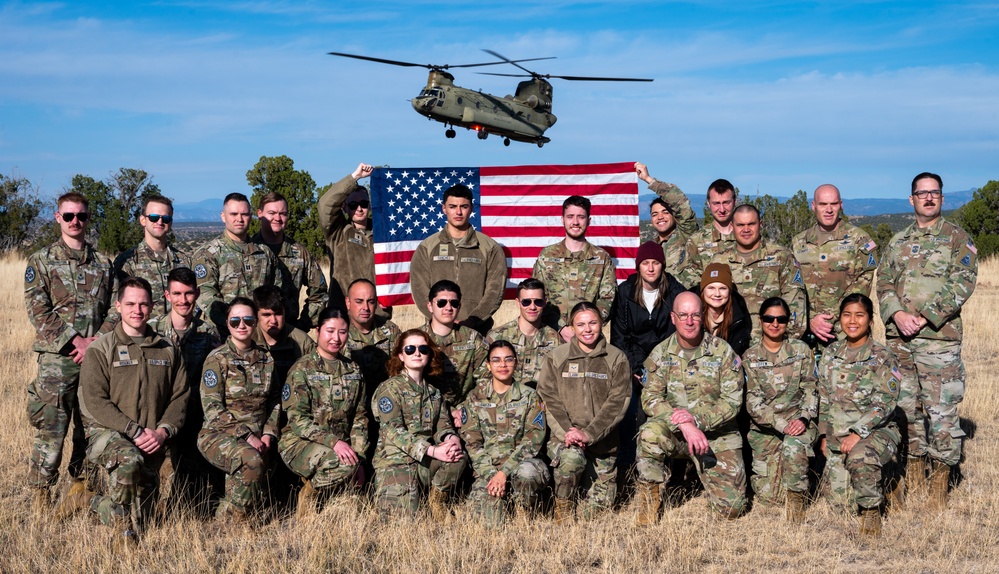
{"points": [[154, 217], [353, 205], [248, 321], [411, 349], [527, 302], [68, 216], [782, 319], [455, 304]]}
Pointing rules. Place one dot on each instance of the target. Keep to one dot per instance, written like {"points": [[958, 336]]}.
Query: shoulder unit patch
{"points": [[200, 271], [211, 378]]}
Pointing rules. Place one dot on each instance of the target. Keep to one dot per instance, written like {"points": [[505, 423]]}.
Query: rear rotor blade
{"points": [[597, 79]]}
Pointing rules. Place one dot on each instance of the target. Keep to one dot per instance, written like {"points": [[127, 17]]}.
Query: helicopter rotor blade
{"points": [[380, 60], [598, 79], [503, 62], [509, 61]]}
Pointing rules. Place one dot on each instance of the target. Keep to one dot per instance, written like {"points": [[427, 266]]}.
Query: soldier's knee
{"points": [[249, 464]]}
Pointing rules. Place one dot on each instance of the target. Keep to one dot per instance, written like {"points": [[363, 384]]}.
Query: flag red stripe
{"points": [[588, 190], [497, 232], [620, 167], [553, 210]]}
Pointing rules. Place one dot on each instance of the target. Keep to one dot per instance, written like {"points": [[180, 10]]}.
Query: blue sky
{"points": [[774, 96]]}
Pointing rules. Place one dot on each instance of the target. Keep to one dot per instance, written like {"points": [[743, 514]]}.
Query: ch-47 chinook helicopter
{"points": [[522, 117]]}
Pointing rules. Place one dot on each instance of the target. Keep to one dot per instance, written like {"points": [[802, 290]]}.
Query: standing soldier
{"points": [[926, 277], [530, 337], [575, 270], [296, 266], [230, 265], [464, 349], [674, 222], [153, 258], [133, 392], [692, 396], [344, 215], [67, 291], [719, 237], [836, 259], [468, 257]]}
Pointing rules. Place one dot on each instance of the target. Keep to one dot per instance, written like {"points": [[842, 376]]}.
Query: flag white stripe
{"points": [[543, 241], [558, 179], [554, 220], [554, 200]]}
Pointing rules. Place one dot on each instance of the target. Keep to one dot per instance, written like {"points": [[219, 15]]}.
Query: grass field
{"points": [[347, 537]]}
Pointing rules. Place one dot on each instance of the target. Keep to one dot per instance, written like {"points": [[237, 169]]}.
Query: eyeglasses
{"points": [[248, 321], [353, 205], [498, 360], [68, 216], [922, 193], [154, 217], [685, 316], [411, 349], [782, 319], [455, 303], [536, 302]]}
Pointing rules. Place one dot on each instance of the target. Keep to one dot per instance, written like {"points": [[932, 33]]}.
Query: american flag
{"points": [[518, 206]]}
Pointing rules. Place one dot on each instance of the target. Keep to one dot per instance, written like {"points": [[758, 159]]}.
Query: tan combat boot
{"points": [[306, 500], [895, 497], [78, 498], [870, 522], [437, 502], [915, 476], [41, 500], [649, 503], [564, 510], [795, 507], [939, 480]]}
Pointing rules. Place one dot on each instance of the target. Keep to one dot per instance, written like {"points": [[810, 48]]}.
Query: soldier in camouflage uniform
{"points": [[133, 392], [575, 270], [585, 385], [761, 270], [67, 292], [782, 403], [345, 217], [692, 395], [296, 265], [719, 237], [371, 337], [504, 432], [836, 258], [530, 337], [928, 274], [464, 349], [285, 343], [242, 408], [418, 447], [326, 437], [230, 265], [153, 258], [187, 475], [674, 222], [858, 390]]}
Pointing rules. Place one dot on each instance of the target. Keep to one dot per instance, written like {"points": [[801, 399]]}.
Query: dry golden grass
{"points": [[345, 538]]}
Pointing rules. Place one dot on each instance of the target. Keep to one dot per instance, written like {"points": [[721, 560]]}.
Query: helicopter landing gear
{"points": [[483, 135], [541, 144], [506, 141], [449, 134]]}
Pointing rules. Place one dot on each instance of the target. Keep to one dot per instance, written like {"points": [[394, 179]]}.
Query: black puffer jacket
{"points": [[740, 332], [633, 329]]}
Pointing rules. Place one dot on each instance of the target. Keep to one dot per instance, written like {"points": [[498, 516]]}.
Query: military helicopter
{"points": [[522, 117]]}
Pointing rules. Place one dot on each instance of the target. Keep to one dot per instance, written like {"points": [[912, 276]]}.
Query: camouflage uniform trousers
{"points": [[524, 487], [932, 387], [857, 478], [399, 488], [133, 476], [573, 469], [319, 464], [780, 462], [52, 403], [723, 474], [245, 469]]}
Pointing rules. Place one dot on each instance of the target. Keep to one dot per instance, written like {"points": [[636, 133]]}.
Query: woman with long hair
{"points": [[725, 312]]}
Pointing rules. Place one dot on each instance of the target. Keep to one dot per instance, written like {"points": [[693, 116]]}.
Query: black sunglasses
{"points": [[410, 349], [249, 321], [455, 303], [527, 302], [782, 319], [154, 217], [68, 216], [353, 205]]}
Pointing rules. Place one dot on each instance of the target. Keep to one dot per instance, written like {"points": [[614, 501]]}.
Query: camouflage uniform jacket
{"points": [[142, 261], [768, 271], [298, 269], [571, 277], [67, 296], [858, 390], [530, 350], [238, 392], [708, 385], [833, 265], [929, 272], [780, 387], [292, 344], [352, 249], [502, 431], [227, 269], [709, 243], [681, 255], [127, 386], [475, 262], [324, 401], [465, 352], [590, 392], [200, 339], [412, 417], [372, 351]]}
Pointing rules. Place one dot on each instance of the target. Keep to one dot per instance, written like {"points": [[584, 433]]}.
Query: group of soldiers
{"points": [[136, 351]]}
